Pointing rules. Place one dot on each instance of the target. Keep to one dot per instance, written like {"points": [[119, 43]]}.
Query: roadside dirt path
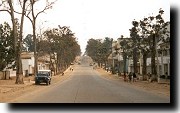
{"points": [[10, 91], [154, 87]]}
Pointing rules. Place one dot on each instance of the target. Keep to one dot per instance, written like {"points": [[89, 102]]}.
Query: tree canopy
{"points": [[6, 45]]}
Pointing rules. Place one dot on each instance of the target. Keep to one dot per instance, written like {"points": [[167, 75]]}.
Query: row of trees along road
{"points": [[144, 36], [60, 41], [99, 50], [28, 9]]}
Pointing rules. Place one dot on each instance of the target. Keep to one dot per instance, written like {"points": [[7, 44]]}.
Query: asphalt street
{"points": [[86, 85]]}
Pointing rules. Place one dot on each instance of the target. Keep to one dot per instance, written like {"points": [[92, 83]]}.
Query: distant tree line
{"points": [[99, 49]]}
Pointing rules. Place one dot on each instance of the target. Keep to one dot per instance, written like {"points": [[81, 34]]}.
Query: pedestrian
{"points": [[125, 78], [166, 75], [130, 76], [134, 77], [148, 75]]}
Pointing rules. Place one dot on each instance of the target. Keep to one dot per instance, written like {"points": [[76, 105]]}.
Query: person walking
{"points": [[124, 77], [134, 77], [130, 76]]}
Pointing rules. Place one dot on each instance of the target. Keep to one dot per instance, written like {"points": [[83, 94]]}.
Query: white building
{"points": [[27, 63]]}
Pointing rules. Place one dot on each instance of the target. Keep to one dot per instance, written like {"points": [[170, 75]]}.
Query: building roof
{"points": [[27, 55]]}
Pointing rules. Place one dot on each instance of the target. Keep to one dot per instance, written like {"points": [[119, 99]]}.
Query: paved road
{"points": [[85, 85]]}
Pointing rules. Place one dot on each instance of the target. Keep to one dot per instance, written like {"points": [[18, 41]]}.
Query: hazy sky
{"points": [[97, 18]]}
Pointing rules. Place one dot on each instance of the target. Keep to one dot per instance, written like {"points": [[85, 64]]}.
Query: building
{"points": [[163, 50], [44, 62], [27, 63]]}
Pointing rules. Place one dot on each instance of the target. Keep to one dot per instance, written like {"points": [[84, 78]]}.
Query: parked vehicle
{"points": [[43, 76]]}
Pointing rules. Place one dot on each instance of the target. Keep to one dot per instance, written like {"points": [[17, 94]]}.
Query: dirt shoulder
{"points": [[154, 87], [10, 91]]}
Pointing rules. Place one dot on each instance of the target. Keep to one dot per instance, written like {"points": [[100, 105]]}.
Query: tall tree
{"points": [[126, 45], [153, 30], [19, 72], [107, 43], [135, 37], [33, 18], [6, 46], [8, 6], [92, 49], [99, 49], [61, 41]]}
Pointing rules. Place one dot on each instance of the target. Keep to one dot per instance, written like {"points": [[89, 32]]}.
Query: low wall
{"points": [[2, 75]]}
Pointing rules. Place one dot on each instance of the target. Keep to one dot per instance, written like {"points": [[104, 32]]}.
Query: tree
{"points": [[148, 32], [29, 43], [107, 43], [61, 41], [135, 38], [93, 50], [8, 6], [153, 30], [126, 49], [33, 18], [145, 45], [99, 50], [6, 46], [19, 72]]}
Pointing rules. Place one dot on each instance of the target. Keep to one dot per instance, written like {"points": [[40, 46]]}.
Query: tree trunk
{"points": [[135, 60], [19, 78], [19, 72], [35, 48], [15, 38], [144, 70], [153, 63], [57, 63], [124, 59], [13, 24], [34, 38]]}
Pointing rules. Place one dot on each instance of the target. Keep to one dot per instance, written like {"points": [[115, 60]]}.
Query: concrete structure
{"points": [[44, 62], [27, 63]]}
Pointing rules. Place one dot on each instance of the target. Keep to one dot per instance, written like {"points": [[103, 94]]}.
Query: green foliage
{"points": [[6, 45], [61, 41], [145, 32], [28, 43], [99, 50]]}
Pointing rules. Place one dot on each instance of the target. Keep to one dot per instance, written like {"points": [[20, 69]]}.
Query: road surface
{"points": [[86, 85]]}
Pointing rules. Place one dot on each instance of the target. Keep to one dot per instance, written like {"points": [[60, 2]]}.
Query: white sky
{"points": [[97, 18]]}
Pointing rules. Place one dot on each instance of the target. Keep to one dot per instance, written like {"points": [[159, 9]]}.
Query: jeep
{"points": [[43, 76]]}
